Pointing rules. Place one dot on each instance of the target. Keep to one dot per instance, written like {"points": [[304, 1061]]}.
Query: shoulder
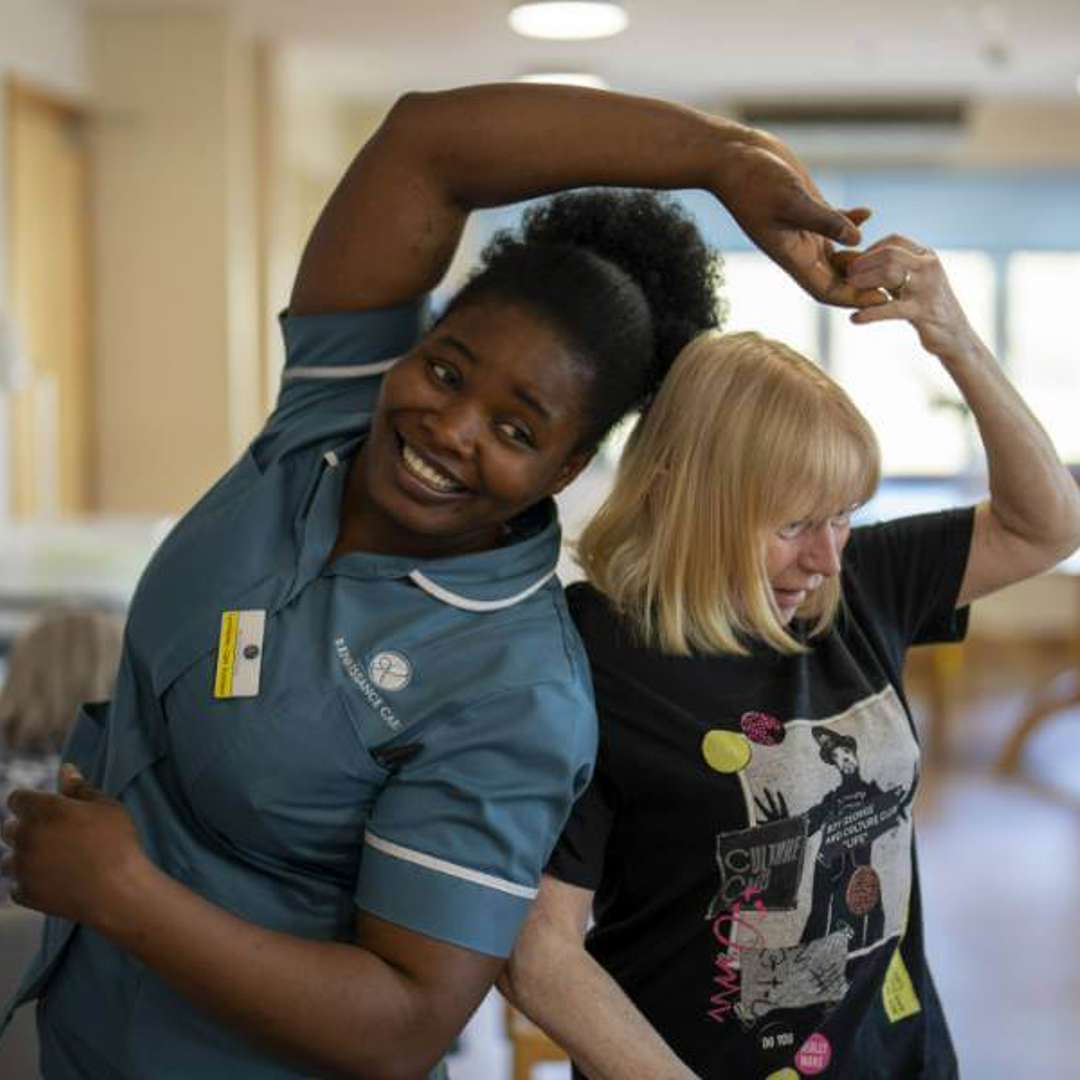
{"points": [[592, 612], [939, 526]]}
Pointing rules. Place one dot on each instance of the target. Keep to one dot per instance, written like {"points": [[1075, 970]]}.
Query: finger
{"points": [[858, 215], [840, 293], [891, 309], [816, 216], [69, 777], [26, 803], [877, 257], [77, 787]]}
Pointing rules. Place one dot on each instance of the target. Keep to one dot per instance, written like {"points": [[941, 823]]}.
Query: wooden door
{"points": [[51, 415]]}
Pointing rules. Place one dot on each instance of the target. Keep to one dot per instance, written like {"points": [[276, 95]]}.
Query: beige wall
{"points": [[41, 42], [1032, 133], [175, 257]]}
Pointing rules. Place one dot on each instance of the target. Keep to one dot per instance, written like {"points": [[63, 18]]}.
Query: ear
{"points": [[571, 469]]}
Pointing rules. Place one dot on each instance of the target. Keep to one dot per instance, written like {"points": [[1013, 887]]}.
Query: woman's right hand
{"points": [[917, 290]]}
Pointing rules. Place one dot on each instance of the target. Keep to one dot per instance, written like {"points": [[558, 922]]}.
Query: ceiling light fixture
{"points": [[569, 20], [565, 78]]}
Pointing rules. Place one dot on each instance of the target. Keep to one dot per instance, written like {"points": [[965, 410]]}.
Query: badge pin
{"points": [[239, 658]]}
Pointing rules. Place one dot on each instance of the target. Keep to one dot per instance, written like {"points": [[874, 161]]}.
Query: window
{"points": [[762, 297], [1042, 353]]}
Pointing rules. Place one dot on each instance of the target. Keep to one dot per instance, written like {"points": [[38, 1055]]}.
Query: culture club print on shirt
{"points": [[820, 877]]}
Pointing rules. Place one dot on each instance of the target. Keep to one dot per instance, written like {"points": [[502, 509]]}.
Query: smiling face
{"points": [[478, 422], [801, 556]]}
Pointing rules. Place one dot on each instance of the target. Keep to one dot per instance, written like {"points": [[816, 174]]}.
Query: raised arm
{"points": [[553, 981], [392, 225], [1032, 518]]}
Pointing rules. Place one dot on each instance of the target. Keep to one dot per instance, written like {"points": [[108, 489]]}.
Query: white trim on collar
{"points": [[430, 862], [463, 602], [346, 371]]}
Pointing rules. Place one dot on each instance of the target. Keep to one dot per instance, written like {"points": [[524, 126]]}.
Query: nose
{"points": [[821, 553], [452, 428]]}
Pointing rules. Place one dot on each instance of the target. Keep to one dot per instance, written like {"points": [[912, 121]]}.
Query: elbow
{"points": [[1067, 537], [409, 113], [526, 977]]}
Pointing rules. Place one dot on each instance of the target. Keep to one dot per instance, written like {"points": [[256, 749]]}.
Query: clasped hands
{"points": [[774, 199]]}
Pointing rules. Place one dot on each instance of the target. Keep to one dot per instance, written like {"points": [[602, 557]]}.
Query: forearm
{"points": [[555, 983], [1032, 494], [328, 1006], [499, 143]]}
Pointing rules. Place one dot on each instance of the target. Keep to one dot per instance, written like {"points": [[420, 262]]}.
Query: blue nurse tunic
{"points": [[417, 735]]}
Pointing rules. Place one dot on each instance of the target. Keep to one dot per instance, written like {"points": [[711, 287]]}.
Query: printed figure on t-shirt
{"points": [[847, 889]]}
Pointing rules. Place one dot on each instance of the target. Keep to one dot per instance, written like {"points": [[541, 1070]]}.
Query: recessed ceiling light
{"points": [[569, 20], [565, 78]]}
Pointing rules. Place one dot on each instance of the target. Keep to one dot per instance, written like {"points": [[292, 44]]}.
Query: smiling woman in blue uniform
{"points": [[352, 713]]}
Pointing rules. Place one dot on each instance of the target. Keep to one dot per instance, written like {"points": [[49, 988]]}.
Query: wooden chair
{"points": [[529, 1044]]}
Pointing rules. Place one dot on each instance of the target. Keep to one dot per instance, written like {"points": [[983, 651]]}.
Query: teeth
{"points": [[420, 468]]}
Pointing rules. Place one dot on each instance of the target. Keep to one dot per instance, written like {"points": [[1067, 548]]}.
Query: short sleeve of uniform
{"points": [[334, 365], [458, 838], [911, 569]]}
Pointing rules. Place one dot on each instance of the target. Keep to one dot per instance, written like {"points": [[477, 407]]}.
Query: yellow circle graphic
{"points": [[783, 1074], [726, 751]]}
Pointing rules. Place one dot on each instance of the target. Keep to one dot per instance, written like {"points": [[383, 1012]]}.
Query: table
{"points": [[1062, 692]]}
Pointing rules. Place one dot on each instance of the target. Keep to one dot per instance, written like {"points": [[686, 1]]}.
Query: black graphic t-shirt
{"points": [[748, 829]]}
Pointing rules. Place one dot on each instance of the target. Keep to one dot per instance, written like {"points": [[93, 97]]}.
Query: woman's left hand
{"points": [[70, 851], [918, 291]]}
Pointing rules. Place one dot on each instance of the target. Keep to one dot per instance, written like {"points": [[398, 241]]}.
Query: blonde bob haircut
{"points": [[745, 436]]}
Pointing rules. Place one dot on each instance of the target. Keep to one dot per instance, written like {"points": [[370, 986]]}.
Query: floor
{"points": [[1000, 862], [1001, 874]]}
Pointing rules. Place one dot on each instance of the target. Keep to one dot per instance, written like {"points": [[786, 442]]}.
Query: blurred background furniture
{"points": [[529, 1045], [1061, 693]]}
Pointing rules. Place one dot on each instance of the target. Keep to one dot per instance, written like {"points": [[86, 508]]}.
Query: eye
{"points": [[791, 530], [443, 373], [516, 432], [841, 520]]}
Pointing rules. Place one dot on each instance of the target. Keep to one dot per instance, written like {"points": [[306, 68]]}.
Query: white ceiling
{"points": [[697, 51]]}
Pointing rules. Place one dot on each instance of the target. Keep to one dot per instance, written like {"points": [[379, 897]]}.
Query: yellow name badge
{"points": [[898, 993], [239, 657]]}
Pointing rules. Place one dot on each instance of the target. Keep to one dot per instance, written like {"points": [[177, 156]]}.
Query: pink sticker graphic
{"points": [[814, 1055], [762, 728]]}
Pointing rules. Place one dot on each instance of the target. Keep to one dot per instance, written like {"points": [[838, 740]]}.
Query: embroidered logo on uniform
{"points": [[371, 695], [390, 671]]}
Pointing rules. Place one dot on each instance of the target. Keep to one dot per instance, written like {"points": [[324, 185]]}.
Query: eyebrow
{"points": [[520, 392]]}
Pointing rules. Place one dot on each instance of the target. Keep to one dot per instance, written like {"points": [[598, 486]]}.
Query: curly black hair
{"points": [[625, 278]]}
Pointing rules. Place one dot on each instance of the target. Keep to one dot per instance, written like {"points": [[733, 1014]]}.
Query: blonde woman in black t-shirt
{"points": [[745, 846]]}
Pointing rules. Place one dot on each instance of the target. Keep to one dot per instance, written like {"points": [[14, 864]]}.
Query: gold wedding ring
{"points": [[896, 293]]}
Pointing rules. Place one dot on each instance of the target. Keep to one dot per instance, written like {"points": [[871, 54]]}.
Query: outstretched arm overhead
{"points": [[392, 225], [1032, 518]]}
